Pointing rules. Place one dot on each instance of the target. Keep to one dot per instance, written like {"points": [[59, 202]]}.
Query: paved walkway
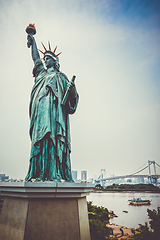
{"points": [[116, 231]]}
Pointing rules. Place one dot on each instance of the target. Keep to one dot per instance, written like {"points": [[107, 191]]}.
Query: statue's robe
{"points": [[49, 126]]}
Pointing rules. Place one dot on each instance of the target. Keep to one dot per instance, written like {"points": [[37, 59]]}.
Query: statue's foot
{"points": [[38, 180], [56, 180], [52, 180], [69, 181]]}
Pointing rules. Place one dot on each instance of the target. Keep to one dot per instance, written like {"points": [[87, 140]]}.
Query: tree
{"points": [[145, 232], [154, 222], [98, 229], [98, 218], [99, 186]]}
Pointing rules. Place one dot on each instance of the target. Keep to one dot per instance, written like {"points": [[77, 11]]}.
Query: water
{"points": [[118, 202]]}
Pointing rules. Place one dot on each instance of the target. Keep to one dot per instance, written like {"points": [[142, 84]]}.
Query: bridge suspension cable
{"points": [[139, 169], [144, 167], [157, 164]]}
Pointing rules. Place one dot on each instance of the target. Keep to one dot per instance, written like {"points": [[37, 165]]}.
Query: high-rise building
{"points": [[74, 175], [3, 177], [83, 175], [141, 180]]}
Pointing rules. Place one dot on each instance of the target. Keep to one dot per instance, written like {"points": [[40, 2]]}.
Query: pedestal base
{"points": [[59, 212]]}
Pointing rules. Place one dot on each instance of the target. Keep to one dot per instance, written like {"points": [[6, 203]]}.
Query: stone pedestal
{"points": [[44, 211]]}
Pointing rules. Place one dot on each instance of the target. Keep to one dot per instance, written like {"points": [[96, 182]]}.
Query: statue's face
{"points": [[49, 62]]}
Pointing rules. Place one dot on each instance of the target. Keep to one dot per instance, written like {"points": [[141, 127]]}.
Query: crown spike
{"points": [[49, 46], [40, 51], [58, 54], [44, 47], [55, 49]]}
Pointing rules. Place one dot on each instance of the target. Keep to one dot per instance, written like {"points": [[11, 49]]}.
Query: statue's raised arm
{"points": [[31, 30]]}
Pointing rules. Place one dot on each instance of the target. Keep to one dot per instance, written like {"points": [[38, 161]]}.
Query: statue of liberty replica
{"points": [[53, 98]]}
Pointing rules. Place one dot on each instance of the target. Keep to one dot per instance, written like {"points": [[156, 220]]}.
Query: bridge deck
{"points": [[129, 176]]}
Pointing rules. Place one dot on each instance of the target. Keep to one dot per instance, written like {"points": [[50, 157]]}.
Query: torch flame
{"points": [[33, 25]]}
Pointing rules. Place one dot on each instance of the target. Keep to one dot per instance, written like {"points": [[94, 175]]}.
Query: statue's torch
{"points": [[32, 31]]}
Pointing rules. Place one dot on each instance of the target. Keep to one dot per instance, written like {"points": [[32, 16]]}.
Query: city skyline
{"points": [[152, 169]]}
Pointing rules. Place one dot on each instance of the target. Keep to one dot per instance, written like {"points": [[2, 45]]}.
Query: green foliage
{"points": [[154, 222], [98, 229], [100, 213], [145, 233], [98, 186], [132, 187], [98, 218]]}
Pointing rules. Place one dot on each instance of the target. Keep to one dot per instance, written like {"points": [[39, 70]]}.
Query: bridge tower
{"points": [[103, 173], [150, 175]]}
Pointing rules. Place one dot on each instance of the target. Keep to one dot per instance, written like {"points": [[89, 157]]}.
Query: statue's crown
{"points": [[49, 52]]}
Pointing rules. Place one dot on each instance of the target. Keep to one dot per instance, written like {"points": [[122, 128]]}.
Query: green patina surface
{"points": [[49, 120]]}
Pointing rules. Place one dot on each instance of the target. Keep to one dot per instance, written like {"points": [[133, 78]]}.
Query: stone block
{"points": [[13, 219], [47, 217]]}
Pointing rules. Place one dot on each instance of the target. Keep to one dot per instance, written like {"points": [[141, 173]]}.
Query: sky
{"points": [[113, 48]]}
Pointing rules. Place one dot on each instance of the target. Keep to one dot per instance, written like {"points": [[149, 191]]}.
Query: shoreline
{"points": [[124, 191]]}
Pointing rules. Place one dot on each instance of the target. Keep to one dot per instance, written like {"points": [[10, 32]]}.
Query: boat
{"points": [[125, 211], [139, 201]]}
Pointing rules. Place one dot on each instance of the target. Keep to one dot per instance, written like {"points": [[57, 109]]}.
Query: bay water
{"points": [[118, 202]]}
